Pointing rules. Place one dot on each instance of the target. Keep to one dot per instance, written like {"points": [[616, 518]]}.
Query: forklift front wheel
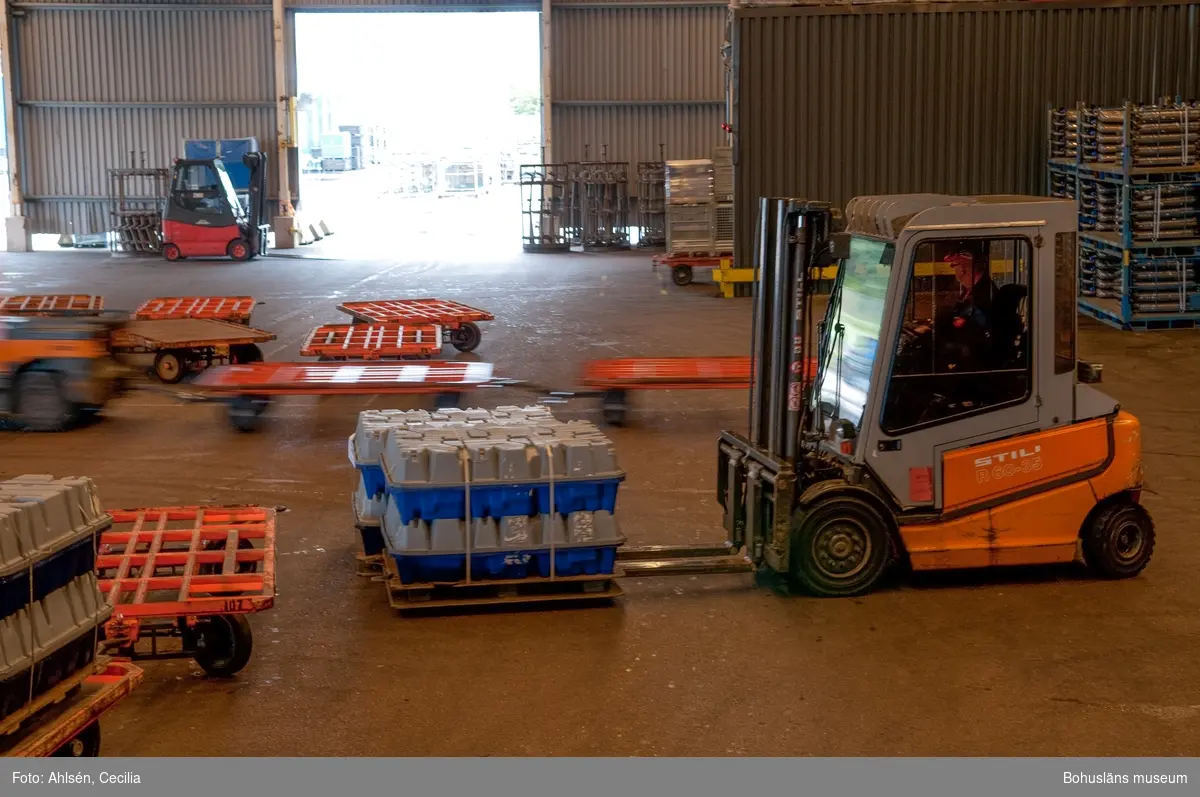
{"points": [[681, 275], [171, 252], [170, 366], [840, 547], [1119, 541], [238, 249]]}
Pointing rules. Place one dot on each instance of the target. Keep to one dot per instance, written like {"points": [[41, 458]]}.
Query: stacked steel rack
{"points": [[1135, 175], [136, 199], [689, 193], [652, 204], [545, 207], [601, 203]]}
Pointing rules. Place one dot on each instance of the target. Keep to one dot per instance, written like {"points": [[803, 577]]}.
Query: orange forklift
{"points": [[950, 424], [57, 370]]}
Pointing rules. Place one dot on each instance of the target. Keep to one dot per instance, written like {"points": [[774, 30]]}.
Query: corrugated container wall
{"points": [[100, 88], [831, 103], [637, 84]]}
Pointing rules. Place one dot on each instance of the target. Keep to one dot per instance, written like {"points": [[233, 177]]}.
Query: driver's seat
{"points": [[1008, 327]]}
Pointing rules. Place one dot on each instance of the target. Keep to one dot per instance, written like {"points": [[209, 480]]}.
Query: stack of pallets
{"points": [[486, 505], [51, 609]]}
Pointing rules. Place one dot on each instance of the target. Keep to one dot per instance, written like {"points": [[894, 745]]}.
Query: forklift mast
{"points": [[757, 473]]}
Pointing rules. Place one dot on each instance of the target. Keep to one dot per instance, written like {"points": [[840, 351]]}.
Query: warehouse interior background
{"points": [[412, 127]]}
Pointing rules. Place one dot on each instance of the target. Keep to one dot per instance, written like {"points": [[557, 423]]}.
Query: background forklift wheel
{"points": [[238, 249], [245, 353], [223, 644], [171, 252], [85, 745], [41, 405], [466, 337], [1119, 540], [681, 275], [840, 547], [614, 407], [170, 366], [245, 412]]}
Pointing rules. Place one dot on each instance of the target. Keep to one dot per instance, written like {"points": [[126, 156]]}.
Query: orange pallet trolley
{"points": [[191, 573], [70, 726]]}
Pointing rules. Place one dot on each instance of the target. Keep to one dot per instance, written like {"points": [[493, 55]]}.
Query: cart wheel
{"points": [[171, 252], [85, 745], [681, 275], [245, 353], [170, 366], [445, 401], [615, 407], [238, 249], [223, 644], [214, 569], [466, 337], [245, 412]]}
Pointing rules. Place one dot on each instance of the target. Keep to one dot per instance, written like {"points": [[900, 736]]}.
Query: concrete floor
{"points": [[1012, 663]]}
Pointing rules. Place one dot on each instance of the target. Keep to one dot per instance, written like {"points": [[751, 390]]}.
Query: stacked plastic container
{"points": [[51, 608], [481, 495]]}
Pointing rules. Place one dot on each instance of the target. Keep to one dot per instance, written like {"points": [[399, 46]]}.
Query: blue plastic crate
{"points": [[501, 500], [504, 566], [372, 539], [373, 478], [50, 574]]}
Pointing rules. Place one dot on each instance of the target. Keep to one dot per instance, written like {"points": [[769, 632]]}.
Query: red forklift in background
{"points": [[204, 216]]}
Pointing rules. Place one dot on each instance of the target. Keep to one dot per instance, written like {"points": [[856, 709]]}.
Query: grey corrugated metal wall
{"points": [[834, 102], [95, 83], [639, 80], [98, 79]]}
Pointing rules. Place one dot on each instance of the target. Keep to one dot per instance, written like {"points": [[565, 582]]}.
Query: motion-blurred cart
{"points": [[249, 390], [189, 573], [67, 724]]}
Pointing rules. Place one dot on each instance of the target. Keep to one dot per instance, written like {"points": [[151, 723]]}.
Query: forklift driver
{"points": [[944, 358]]}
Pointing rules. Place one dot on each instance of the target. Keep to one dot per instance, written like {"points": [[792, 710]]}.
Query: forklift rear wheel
{"points": [[466, 337], [245, 412], [85, 745], [224, 643], [171, 252], [245, 353], [1119, 541], [681, 275], [170, 366], [840, 547], [238, 249], [615, 407]]}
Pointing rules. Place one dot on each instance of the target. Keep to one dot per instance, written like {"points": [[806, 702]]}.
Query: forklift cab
{"points": [[947, 424], [204, 217]]}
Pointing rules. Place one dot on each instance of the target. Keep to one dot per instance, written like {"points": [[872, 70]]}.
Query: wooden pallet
{"points": [[368, 566], [410, 598], [52, 696]]}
